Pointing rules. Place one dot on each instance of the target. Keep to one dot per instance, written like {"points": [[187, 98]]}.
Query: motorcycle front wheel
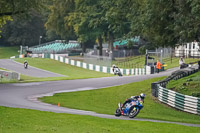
{"points": [[117, 112], [119, 74], [133, 112]]}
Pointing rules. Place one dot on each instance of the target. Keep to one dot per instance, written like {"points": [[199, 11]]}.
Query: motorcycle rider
{"points": [[140, 98], [25, 64], [113, 68], [116, 70]]}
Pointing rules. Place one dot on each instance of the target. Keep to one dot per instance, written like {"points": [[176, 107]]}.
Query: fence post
{"points": [[1, 77], [199, 64], [154, 89]]}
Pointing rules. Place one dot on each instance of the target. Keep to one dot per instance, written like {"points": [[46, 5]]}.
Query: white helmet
{"points": [[142, 95], [113, 65]]}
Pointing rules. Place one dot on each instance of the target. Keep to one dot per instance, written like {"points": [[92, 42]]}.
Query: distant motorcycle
{"points": [[26, 65], [117, 71], [130, 109]]}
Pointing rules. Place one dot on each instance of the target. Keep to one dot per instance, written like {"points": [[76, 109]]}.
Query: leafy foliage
{"points": [[160, 22], [24, 31], [10, 8], [59, 12]]}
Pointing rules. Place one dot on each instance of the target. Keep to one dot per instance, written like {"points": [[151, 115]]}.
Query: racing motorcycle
{"points": [[117, 71], [130, 109], [25, 65]]}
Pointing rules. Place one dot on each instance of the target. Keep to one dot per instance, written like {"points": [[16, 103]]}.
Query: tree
{"points": [[14, 7], [24, 31], [89, 19], [9, 8], [86, 20], [160, 22], [187, 20], [115, 19], [59, 12], [166, 22]]}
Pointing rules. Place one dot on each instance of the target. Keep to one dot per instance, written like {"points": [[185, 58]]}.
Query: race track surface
{"points": [[9, 64], [24, 95]]}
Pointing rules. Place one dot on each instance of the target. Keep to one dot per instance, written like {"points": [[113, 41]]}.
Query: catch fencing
{"points": [[98, 68]]}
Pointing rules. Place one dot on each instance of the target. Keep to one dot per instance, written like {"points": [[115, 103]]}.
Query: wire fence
{"points": [[130, 62], [169, 57]]}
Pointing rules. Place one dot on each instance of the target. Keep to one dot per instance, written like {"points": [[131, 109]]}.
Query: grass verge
{"points": [[105, 101], [189, 85], [7, 52], [15, 120], [70, 71]]}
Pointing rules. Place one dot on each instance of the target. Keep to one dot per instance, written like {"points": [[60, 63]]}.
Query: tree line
{"points": [[160, 22]]}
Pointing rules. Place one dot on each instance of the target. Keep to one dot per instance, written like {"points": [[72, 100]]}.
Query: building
{"points": [[187, 50]]}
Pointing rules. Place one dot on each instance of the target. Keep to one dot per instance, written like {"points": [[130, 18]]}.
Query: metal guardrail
{"points": [[98, 68], [177, 100], [9, 75]]}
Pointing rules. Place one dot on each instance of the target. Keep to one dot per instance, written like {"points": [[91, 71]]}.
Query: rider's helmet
{"points": [[113, 65], [142, 95]]}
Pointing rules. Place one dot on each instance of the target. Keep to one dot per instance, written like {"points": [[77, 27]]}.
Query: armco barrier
{"points": [[105, 69], [177, 100], [32, 55], [9, 75]]}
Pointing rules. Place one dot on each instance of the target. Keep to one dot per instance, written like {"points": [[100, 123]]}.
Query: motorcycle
{"points": [[131, 109], [26, 65], [117, 71]]}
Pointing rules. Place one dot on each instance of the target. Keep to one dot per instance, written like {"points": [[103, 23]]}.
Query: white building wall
{"points": [[190, 49]]}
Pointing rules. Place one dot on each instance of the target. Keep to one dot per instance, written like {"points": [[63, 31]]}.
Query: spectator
{"points": [[182, 63]]}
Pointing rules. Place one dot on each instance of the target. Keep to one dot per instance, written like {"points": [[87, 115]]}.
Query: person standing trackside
{"points": [[158, 66]]}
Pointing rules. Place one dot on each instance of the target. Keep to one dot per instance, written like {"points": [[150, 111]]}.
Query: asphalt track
{"points": [[24, 95], [9, 64]]}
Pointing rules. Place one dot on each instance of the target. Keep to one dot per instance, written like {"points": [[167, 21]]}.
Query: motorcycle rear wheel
{"points": [[133, 112]]}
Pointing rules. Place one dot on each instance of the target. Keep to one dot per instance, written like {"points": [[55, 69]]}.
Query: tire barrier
{"points": [[174, 99]]}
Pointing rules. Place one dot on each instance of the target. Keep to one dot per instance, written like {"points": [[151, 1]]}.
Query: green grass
{"points": [[189, 85], [7, 52], [70, 71], [25, 78], [138, 62], [3, 69], [15, 120], [4, 80], [105, 101]]}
